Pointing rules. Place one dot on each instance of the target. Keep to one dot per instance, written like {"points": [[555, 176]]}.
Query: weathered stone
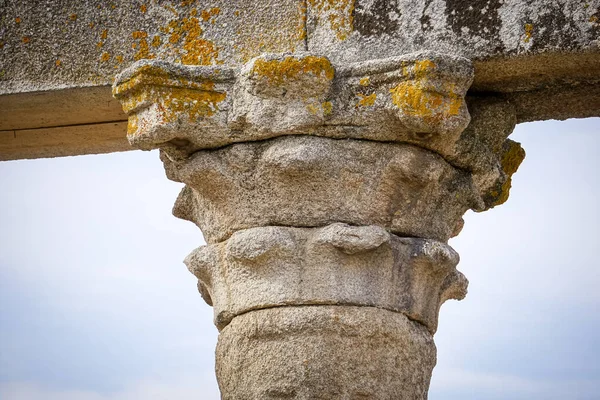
{"points": [[340, 264], [544, 58], [417, 98], [307, 181], [306, 131], [297, 171], [324, 352]]}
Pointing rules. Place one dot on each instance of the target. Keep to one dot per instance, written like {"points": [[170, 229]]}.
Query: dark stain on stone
{"points": [[375, 20], [595, 21], [425, 19], [481, 17], [553, 29]]}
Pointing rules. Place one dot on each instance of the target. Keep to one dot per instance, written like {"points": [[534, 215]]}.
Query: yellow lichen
{"points": [[327, 107], [119, 59], [313, 109], [174, 98], [195, 104], [139, 35], [105, 57], [510, 161], [195, 50], [99, 44], [58, 63], [104, 34], [365, 81], [91, 25], [414, 100], [208, 14], [132, 124], [339, 14], [528, 32], [423, 67], [366, 101], [156, 40], [279, 71], [143, 52]]}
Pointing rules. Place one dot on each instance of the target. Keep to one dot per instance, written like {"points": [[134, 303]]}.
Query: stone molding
{"points": [[326, 194], [268, 267]]}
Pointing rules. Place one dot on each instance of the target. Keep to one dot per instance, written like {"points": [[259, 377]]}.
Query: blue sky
{"points": [[96, 304]]}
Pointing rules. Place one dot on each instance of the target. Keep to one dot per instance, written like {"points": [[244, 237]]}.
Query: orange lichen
{"points": [[119, 59], [25, 39], [195, 50], [366, 101], [528, 32], [156, 40], [236, 13], [132, 124], [105, 57], [143, 8], [144, 51], [58, 63], [413, 100], [139, 35], [99, 44], [279, 71], [195, 104], [512, 157], [104, 34], [91, 25], [18, 20], [339, 14], [73, 17], [365, 81], [416, 98], [208, 14]]}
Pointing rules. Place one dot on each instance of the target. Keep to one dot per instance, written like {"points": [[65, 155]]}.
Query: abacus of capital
{"points": [[326, 194]]}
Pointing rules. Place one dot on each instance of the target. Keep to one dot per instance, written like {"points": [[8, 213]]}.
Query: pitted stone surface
{"points": [[70, 43], [340, 264], [416, 98], [309, 181], [326, 194], [324, 352]]}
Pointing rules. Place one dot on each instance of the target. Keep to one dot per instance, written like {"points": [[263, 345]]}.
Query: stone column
{"points": [[326, 195]]}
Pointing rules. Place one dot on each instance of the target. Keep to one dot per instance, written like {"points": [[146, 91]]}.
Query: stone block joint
{"points": [[326, 194]]}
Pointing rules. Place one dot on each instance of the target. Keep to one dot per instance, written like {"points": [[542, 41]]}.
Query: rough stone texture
{"points": [[340, 264], [542, 57], [417, 98], [324, 352], [312, 181], [296, 171], [58, 43], [68, 43]]}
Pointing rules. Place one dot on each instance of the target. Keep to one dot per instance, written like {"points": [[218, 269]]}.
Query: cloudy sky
{"points": [[95, 303]]}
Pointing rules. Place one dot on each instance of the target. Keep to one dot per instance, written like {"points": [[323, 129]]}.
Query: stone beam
{"points": [[544, 58], [326, 194]]}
